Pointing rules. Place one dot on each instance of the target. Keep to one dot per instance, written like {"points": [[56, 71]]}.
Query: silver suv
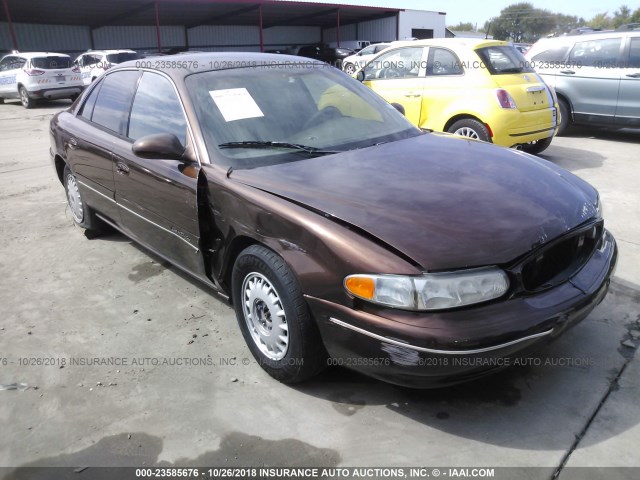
{"points": [[596, 77]]}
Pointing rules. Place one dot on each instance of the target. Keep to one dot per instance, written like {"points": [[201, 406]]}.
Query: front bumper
{"points": [[436, 349]]}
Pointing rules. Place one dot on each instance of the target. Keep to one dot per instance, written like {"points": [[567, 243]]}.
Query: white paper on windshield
{"points": [[236, 104]]}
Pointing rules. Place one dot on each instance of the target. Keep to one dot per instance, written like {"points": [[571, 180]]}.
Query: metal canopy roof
{"points": [[191, 13]]}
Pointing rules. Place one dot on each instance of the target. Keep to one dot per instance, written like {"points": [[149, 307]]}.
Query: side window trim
{"points": [[96, 87]]}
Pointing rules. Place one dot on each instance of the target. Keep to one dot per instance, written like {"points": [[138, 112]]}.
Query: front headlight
{"points": [[431, 291]]}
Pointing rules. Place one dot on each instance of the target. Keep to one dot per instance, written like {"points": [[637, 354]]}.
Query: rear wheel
{"points": [[565, 117], [26, 101], [82, 215], [537, 146], [470, 128], [274, 317]]}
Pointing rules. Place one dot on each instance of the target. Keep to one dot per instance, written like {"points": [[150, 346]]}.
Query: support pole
{"points": [[158, 27], [261, 29], [12, 33], [338, 27]]}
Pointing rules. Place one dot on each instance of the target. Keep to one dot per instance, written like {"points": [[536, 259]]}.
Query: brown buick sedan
{"points": [[340, 233]]}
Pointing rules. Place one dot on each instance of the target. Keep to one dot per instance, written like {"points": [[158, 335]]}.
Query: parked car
{"points": [[38, 76], [596, 77], [335, 227], [359, 60], [355, 45], [94, 62], [477, 88], [332, 56]]}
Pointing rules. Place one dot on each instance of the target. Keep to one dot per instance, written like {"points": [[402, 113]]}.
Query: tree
{"points": [[621, 16], [522, 22], [462, 27], [601, 20]]}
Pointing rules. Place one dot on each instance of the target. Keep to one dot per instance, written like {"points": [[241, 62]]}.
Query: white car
{"points": [[38, 75], [94, 62], [359, 60]]}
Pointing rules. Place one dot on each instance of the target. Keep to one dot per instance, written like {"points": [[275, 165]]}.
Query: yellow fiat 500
{"points": [[481, 89]]}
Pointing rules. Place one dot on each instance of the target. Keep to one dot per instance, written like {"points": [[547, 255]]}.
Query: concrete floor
{"points": [[66, 296]]}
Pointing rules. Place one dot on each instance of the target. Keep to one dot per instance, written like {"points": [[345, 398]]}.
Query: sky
{"points": [[477, 11]]}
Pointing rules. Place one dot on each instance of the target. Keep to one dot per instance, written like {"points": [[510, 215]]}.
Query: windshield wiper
{"points": [[292, 146]]}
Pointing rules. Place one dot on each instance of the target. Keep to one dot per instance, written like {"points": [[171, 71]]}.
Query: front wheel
{"points": [[470, 128], [27, 102], [274, 318], [349, 68], [538, 146]]}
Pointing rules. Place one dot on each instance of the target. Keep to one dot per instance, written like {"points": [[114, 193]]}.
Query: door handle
{"points": [[568, 72], [412, 94], [72, 144], [122, 168], [633, 75]]}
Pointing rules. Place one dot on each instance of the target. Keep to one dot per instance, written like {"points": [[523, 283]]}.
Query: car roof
{"points": [[109, 51], [472, 43], [186, 64], [589, 36], [30, 55]]}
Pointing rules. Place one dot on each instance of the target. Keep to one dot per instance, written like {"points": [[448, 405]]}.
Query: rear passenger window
{"points": [[443, 62], [556, 54], [112, 106], [156, 109], [601, 53]]}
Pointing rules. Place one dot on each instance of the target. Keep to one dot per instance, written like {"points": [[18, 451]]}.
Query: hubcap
{"points": [[265, 317], [467, 132], [349, 69], [74, 199]]}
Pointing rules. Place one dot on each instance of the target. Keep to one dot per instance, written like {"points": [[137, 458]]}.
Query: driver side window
{"points": [[398, 63]]}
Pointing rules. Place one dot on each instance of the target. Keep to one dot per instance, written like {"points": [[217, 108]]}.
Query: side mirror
{"points": [[398, 107], [360, 76], [165, 146]]}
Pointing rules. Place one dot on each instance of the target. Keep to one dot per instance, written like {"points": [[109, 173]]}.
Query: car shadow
{"points": [[628, 135], [41, 105], [573, 159]]}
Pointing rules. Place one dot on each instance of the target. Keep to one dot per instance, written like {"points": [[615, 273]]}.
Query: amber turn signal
{"points": [[362, 287]]}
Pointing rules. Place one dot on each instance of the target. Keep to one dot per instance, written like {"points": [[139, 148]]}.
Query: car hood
{"points": [[443, 201]]}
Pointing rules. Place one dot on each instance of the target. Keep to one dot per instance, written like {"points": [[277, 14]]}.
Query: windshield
{"points": [[51, 63], [305, 104], [505, 59], [122, 57]]}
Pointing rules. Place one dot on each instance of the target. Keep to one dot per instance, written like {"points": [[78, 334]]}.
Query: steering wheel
{"points": [[322, 116], [392, 73]]}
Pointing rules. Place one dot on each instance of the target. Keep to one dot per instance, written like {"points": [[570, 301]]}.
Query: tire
{"points": [[538, 146], [274, 318], [565, 117], [1, 100], [82, 215], [349, 68], [26, 101], [468, 127]]}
